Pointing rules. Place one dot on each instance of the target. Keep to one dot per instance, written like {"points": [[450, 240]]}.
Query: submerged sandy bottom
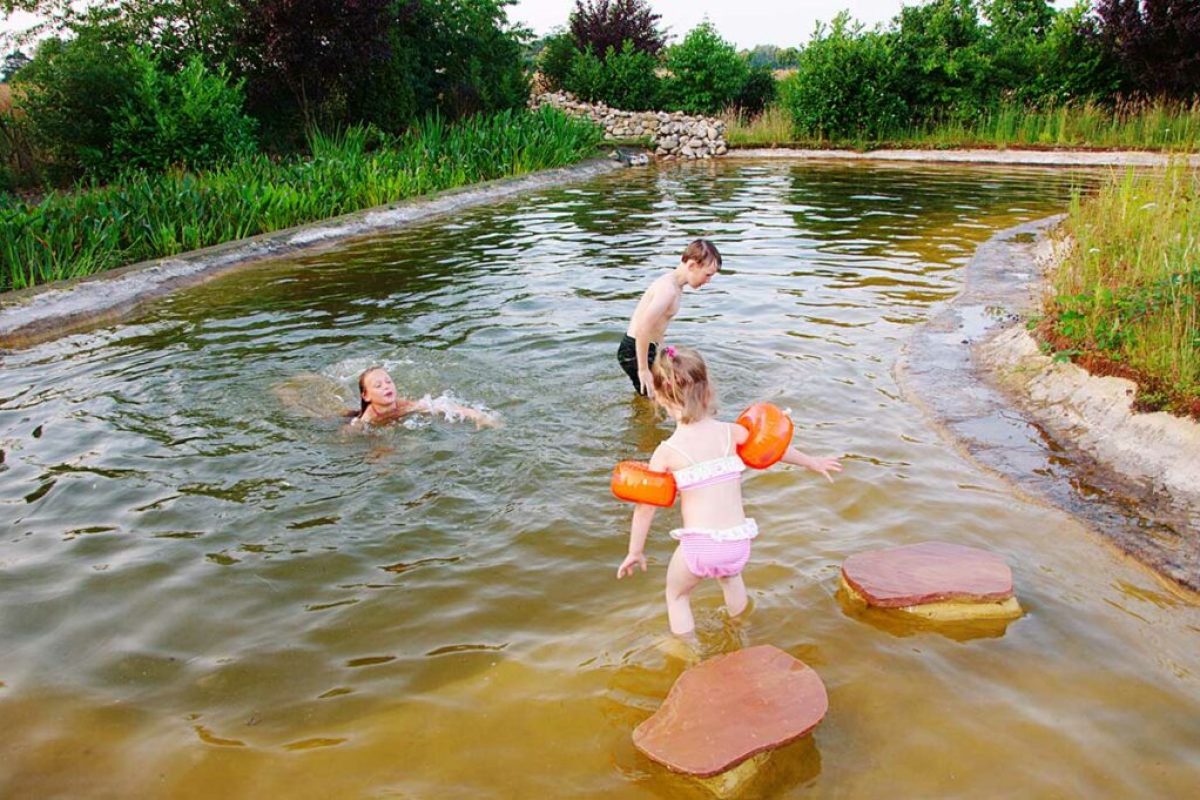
{"points": [[206, 592]]}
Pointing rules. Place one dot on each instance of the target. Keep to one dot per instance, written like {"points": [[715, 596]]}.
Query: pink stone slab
{"points": [[929, 572], [729, 708]]}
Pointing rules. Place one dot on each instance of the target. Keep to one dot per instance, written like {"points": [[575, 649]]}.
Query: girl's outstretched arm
{"points": [[454, 411], [820, 464]]}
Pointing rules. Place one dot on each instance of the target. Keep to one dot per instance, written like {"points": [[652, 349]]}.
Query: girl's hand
{"points": [[486, 421], [824, 466], [626, 568]]}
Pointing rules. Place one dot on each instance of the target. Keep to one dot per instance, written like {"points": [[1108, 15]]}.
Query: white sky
{"points": [[786, 23], [743, 22]]}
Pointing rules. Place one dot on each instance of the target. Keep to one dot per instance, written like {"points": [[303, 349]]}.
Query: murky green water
{"points": [[204, 593]]}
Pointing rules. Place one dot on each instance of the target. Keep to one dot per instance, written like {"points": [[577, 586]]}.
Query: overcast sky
{"points": [[743, 22]]}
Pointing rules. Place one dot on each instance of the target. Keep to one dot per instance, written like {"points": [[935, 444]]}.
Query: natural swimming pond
{"points": [[206, 593]]}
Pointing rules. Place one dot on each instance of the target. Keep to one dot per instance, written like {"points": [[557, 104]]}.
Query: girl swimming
{"points": [[381, 403]]}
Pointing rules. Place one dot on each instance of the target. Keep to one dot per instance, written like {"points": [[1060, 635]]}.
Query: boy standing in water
{"points": [[698, 264]]}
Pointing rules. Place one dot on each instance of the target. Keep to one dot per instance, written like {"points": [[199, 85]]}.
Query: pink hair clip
{"points": [[669, 350]]}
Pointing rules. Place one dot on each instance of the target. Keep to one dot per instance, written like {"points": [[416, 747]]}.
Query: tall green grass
{"points": [[1129, 291], [146, 216], [1160, 125], [771, 128]]}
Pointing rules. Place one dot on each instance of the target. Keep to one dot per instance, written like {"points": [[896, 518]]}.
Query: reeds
{"points": [[1140, 125], [771, 128], [1157, 125], [1129, 291], [143, 216]]}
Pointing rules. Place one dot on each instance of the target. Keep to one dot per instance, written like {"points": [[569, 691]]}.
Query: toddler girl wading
{"points": [[714, 541]]}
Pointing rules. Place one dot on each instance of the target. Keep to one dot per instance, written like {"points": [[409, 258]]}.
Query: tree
{"points": [[13, 62], [707, 72], [601, 24], [314, 50], [1157, 43], [942, 56], [1019, 19]]}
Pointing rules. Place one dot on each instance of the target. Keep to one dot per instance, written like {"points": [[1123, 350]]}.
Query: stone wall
{"points": [[674, 134]]}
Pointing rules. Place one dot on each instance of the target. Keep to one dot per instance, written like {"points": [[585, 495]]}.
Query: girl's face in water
{"points": [[378, 388]]}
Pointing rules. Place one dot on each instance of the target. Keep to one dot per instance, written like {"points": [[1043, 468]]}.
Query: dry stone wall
{"points": [[674, 134]]}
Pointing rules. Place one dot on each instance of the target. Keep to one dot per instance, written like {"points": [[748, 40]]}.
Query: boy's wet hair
{"points": [[681, 379], [701, 251]]}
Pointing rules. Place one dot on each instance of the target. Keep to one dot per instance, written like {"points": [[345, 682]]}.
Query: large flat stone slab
{"points": [[926, 573], [730, 708]]}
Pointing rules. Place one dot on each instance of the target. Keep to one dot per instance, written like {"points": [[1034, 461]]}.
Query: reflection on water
{"points": [[206, 592]]}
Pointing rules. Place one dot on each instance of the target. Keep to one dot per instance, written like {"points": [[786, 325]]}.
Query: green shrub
{"points": [[192, 118], [758, 91], [707, 72], [846, 85], [554, 62], [625, 80], [72, 93]]}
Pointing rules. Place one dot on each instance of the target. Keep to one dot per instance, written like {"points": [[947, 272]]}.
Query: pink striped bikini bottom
{"points": [[716, 553]]}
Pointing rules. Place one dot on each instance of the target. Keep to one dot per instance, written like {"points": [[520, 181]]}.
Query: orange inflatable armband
{"points": [[770, 435], [637, 483]]}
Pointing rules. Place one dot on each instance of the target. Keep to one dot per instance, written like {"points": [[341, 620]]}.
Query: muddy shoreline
{"points": [[1054, 432], [42, 313]]}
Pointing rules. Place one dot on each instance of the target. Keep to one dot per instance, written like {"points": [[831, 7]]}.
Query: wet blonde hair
{"points": [[681, 379]]}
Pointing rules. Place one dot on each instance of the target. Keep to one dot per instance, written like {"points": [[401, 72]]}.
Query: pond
{"points": [[207, 592]]}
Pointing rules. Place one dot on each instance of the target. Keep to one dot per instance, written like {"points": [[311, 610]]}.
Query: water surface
{"points": [[206, 593]]}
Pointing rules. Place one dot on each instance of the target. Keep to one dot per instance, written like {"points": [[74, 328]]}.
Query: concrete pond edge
{"points": [[1046, 158], [39, 314], [1051, 429]]}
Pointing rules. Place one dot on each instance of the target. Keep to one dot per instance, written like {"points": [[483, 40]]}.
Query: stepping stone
{"points": [[935, 580], [728, 710]]}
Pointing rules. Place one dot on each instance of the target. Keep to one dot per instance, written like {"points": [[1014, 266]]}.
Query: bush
{"points": [[846, 85], [192, 118], [945, 59], [470, 56], [554, 62], [707, 72], [623, 80], [72, 93], [758, 91]]}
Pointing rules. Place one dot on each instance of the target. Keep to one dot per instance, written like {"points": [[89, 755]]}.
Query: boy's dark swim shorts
{"points": [[627, 358]]}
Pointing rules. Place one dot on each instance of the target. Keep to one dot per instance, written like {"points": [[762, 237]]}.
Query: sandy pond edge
{"points": [[42, 313], [1050, 427]]}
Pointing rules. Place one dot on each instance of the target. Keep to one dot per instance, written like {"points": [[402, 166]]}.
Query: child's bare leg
{"points": [[735, 594], [680, 582]]}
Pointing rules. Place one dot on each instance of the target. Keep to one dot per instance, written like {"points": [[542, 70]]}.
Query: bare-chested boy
{"points": [[699, 262]]}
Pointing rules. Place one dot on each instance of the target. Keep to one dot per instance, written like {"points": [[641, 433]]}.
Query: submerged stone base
{"points": [[724, 715], [937, 581], [949, 610]]}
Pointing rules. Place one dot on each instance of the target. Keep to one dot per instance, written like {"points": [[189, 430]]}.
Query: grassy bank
{"points": [[1127, 297], [1160, 126], [139, 217]]}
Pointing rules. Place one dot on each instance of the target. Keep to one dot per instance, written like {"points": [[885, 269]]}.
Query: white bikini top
{"points": [[707, 473]]}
